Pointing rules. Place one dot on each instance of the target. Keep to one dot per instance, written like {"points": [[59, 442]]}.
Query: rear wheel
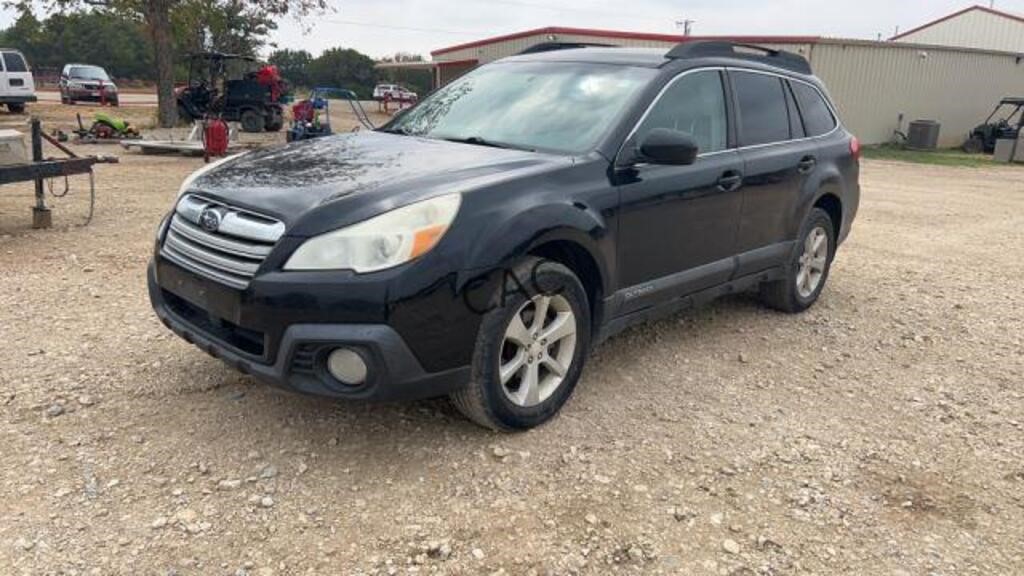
{"points": [[807, 269], [974, 145], [275, 120], [530, 349], [16, 108], [183, 116], [251, 120]]}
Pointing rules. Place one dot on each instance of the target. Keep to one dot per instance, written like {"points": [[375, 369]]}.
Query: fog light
{"points": [[347, 366]]}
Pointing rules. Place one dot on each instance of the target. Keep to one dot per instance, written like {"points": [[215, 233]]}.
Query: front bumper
{"points": [[298, 358], [83, 94], [18, 99]]}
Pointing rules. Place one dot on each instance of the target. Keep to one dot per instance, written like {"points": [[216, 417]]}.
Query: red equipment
{"points": [[269, 76], [303, 111], [215, 138]]}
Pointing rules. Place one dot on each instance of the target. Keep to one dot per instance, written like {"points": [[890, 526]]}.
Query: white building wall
{"points": [[976, 28], [871, 83]]}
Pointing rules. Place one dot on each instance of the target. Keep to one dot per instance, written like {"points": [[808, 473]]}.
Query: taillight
{"points": [[855, 148]]}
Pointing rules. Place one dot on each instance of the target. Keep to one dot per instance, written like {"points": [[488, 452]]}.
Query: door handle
{"points": [[807, 164], [730, 181]]}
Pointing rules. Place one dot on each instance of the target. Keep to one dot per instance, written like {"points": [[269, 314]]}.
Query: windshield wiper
{"points": [[399, 131], [478, 141]]}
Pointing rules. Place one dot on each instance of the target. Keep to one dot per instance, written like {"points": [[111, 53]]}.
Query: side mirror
{"points": [[668, 147]]}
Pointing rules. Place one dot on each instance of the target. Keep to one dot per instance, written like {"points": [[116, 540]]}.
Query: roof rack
{"points": [[553, 46], [722, 49]]}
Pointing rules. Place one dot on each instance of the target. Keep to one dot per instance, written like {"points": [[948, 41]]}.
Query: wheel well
{"points": [[831, 204], [576, 258]]}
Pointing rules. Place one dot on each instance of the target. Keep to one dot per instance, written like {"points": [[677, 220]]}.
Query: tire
{"points": [[18, 108], [275, 119], [115, 103], [251, 120], [509, 406], [183, 115], [807, 270], [974, 145]]}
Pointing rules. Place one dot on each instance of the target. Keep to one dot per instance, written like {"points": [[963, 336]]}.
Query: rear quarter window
{"points": [[817, 116], [14, 62], [763, 115]]}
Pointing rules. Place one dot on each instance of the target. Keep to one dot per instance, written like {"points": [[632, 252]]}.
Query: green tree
{"points": [[345, 68], [96, 37], [294, 66]]}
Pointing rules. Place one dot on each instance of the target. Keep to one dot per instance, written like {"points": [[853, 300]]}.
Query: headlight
{"points": [[191, 179], [381, 242]]}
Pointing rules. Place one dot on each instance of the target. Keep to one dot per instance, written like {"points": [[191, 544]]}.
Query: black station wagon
{"points": [[480, 243]]}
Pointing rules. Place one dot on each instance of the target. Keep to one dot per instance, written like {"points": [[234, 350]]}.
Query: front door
{"points": [[677, 226]]}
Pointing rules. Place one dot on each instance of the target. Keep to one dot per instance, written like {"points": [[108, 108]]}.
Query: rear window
{"points": [[14, 62], [764, 117], [818, 119]]}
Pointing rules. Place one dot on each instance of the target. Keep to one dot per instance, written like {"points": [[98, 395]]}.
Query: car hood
{"points": [[289, 181]]}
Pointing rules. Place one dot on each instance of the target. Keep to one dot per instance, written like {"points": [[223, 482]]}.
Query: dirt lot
{"points": [[882, 433]]}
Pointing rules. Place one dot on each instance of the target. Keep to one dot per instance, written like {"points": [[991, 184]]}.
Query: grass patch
{"points": [[950, 157]]}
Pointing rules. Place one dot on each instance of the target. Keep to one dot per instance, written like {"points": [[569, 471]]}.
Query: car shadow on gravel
{"points": [[316, 417]]}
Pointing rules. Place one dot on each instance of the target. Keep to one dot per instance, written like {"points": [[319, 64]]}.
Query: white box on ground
{"points": [[12, 148]]}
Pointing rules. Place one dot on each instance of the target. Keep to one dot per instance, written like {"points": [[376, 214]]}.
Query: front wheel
{"points": [[807, 269], [530, 349]]}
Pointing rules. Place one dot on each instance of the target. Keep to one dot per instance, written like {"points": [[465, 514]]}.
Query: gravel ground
{"points": [[880, 433]]}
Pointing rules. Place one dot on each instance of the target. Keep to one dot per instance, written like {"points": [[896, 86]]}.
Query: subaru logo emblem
{"points": [[209, 219]]}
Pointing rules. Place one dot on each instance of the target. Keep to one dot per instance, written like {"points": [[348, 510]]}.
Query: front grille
{"points": [[219, 242]]}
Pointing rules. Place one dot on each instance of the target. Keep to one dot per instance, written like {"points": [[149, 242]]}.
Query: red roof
{"points": [[620, 35], [957, 15]]}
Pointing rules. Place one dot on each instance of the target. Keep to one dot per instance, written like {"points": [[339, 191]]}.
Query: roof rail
{"points": [[553, 46], [722, 49]]}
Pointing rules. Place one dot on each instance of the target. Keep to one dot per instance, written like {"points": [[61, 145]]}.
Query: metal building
{"points": [[879, 87], [974, 27]]}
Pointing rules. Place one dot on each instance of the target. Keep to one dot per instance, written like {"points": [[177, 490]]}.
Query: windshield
{"points": [[557, 106], [88, 73]]}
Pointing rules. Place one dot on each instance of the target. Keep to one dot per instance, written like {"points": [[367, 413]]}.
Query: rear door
{"points": [[778, 159], [17, 78]]}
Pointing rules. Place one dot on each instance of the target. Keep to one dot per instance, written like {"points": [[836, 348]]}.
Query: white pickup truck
{"points": [[17, 86]]}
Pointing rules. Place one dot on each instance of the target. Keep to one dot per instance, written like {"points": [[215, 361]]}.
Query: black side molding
{"points": [[721, 49]]}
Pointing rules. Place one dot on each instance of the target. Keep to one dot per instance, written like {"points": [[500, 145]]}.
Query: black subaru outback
{"points": [[483, 241]]}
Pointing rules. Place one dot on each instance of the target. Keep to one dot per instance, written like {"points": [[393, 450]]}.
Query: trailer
{"points": [[41, 169]]}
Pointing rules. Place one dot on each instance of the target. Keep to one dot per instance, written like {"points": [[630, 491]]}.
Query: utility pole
{"points": [[686, 25]]}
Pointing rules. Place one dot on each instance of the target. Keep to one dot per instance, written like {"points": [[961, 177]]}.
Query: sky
{"points": [[383, 27]]}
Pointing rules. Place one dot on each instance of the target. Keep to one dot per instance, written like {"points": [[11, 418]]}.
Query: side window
{"points": [[762, 108], [14, 62], [818, 119], [695, 104], [796, 127]]}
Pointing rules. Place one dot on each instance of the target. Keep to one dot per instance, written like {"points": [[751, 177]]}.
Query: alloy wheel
{"points": [[537, 350], [812, 262]]}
